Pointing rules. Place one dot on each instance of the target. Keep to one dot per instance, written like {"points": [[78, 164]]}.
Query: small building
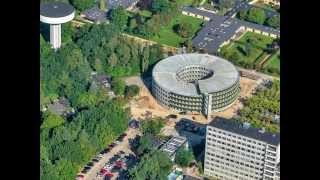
{"points": [[173, 145], [61, 107]]}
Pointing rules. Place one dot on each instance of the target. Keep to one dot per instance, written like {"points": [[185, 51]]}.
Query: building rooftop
{"points": [[250, 132], [220, 29], [224, 74], [173, 144], [56, 9], [95, 14]]}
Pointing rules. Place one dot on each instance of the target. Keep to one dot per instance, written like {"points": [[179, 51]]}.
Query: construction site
{"points": [[145, 105]]}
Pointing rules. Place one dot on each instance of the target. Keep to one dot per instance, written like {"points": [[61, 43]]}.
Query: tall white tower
{"points": [[55, 14]]}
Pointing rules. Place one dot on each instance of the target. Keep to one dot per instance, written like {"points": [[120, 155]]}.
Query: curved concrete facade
{"points": [[195, 82]]}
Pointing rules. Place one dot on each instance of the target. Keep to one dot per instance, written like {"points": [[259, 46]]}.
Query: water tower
{"points": [[55, 14]]}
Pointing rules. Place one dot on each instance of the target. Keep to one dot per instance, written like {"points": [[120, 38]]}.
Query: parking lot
{"points": [[113, 162]]}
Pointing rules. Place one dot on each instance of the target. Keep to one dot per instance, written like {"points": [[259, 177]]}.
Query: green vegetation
{"points": [[184, 157], [119, 18], [168, 36], [255, 15], [154, 165], [274, 21], [272, 66], [102, 5], [248, 51], [152, 126], [161, 24], [159, 6], [68, 144], [82, 5], [118, 86], [259, 109], [132, 91]]}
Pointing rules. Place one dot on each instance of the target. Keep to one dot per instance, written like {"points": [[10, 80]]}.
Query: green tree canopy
{"points": [[156, 165], [274, 21], [132, 91], [184, 157], [256, 15], [119, 17], [118, 86], [160, 6], [82, 5], [152, 126], [184, 29]]}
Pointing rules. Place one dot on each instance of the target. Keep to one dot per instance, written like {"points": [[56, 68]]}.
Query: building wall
{"points": [[232, 156]]}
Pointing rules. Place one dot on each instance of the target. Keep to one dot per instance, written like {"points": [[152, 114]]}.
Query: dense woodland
{"points": [[67, 144]]}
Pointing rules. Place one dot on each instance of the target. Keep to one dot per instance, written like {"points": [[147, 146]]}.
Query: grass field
{"points": [[273, 63], [257, 44], [169, 37]]}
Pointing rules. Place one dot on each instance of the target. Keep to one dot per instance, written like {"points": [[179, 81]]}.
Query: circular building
{"points": [[55, 14], [195, 82]]}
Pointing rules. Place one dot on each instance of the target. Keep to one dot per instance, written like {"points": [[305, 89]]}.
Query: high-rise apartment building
{"points": [[237, 151]]}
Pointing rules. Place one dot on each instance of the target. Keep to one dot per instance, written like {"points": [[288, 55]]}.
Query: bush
{"points": [[184, 29], [132, 91], [184, 157], [152, 126], [274, 21], [118, 86]]}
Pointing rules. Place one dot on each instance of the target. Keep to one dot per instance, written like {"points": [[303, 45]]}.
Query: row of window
{"points": [[241, 166], [259, 150], [224, 133]]}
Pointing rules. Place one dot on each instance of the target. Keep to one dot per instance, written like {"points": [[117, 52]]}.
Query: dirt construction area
{"points": [[146, 105]]}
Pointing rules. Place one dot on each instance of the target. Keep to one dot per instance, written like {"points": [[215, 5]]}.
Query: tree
{"points": [[256, 15], [274, 21], [82, 5], [51, 120], [145, 59], [102, 5], [242, 14], [160, 6], [156, 165], [118, 86], [184, 157], [145, 144], [226, 4], [132, 91], [119, 18], [133, 24], [184, 29], [152, 126]]}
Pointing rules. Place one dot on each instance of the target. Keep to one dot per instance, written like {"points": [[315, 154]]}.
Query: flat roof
{"points": [[224, 74], [56, 9], [251, 132], [173, 144], [220, 29]]}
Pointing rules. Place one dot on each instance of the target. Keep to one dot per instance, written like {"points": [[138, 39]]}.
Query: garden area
{"points": [[272, 66], [162, 22], [249, 51], [168, 35]]}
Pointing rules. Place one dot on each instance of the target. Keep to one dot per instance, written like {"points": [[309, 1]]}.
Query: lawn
{"points": [[273, 65], [169, 37], [257, 44], [184, 2]]}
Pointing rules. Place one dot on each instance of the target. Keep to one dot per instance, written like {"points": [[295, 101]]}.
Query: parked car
{"points": [[90, 164], [80, 177]]}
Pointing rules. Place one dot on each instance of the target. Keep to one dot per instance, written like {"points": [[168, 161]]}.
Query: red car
{"points": [[80, 177]]}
